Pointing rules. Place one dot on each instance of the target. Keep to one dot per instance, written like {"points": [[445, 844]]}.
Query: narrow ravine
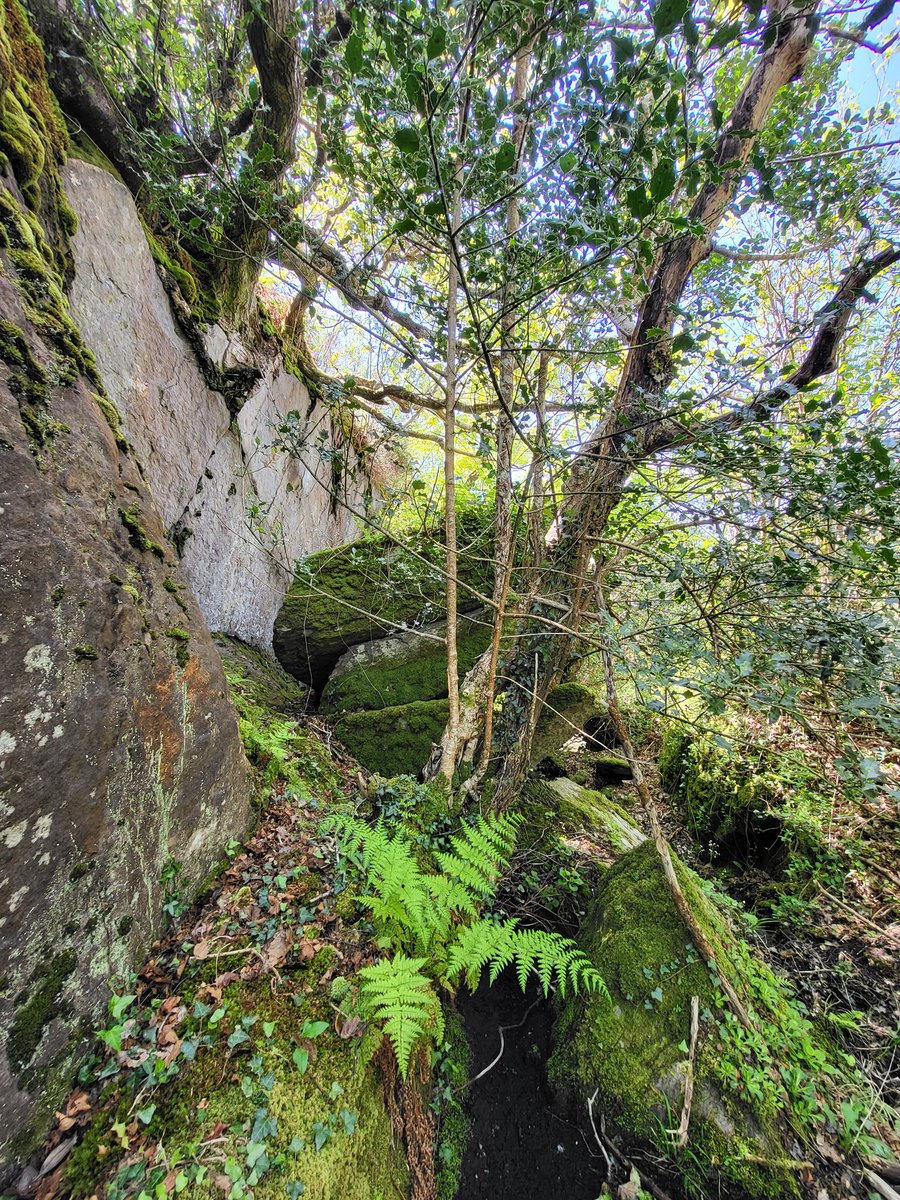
{"points": [[518, 1148]]}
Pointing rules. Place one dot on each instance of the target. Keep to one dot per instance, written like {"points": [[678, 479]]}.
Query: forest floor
{"points": [[266, 950]]}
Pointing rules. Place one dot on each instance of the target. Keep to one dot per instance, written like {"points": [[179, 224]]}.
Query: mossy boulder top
{"points": [[361, 592], [405, 667]]}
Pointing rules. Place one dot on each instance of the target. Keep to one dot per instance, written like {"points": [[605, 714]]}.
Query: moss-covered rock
{"points": [[261, 678], [566, 711], [269, 702], [754, 1090], [580, 808], [396, 740], [752, 806], [403, 668], [362, 592]]}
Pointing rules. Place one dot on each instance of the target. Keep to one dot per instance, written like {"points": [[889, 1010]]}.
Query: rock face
{"points": [[119, 748], [240, 507]]}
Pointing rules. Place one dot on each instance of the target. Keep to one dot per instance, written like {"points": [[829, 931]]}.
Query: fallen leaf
{"points": [[201, 950], [276, 951], [78, 1102], [351, 1027]]}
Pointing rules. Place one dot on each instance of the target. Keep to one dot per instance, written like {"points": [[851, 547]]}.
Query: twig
{"points": [[682, 1138], [501, 1029], [609, 1167], [862, 918], [881, 1187]]}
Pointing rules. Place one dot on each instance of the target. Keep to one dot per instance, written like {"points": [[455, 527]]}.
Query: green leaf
{"points": [[505, 157], [265, 154], [295, 1189], [406, 139], [639, 204], [145, 1115], [349, 1120], [312, 1029], [437, 41], [301, 1059], [667, 15], [353, 53], [568, 161], [662, 181]]}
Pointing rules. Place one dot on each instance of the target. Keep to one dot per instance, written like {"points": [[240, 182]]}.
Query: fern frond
{"points": [[395, 993]]}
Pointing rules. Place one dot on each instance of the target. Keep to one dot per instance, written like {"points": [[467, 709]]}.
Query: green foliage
{"points": [[435, 916]]}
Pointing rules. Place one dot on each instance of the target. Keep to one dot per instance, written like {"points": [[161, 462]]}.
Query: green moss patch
{"points": [[564, 715], [361, 592], [402, 669], [394, 741], [756, 1090], [37, 1010]]}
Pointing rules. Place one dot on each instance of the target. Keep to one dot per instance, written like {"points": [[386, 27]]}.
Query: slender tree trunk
{"points": [[508, 318]]}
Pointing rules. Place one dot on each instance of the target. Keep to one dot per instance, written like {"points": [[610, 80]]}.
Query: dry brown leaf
{"points": [[276, 951], [201, 950], [78, 1102], [351, 1027]]}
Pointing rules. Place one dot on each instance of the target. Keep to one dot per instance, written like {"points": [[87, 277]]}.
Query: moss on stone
{"points": [[268, 702], [361, 592], [401, 670], [365, 1164], [581, 808], [567, 709], [755, 1090], [33, 135], [454, 1066], [137, 535], [396, 740], [38, 1009], [259, 677]]}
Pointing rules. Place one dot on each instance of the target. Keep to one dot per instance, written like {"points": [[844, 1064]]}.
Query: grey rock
{"points": [[242, 509]]}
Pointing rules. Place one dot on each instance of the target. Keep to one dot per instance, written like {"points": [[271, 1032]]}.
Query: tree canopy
{"points": [[627, 272]]}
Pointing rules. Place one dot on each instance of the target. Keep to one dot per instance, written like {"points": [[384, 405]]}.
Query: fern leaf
{"points": [[397, 994]]}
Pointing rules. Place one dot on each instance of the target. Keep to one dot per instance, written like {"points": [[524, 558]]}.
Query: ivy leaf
{"points": [[349, 1120], [295, 1189], [312, 1029], [301, 1060]]}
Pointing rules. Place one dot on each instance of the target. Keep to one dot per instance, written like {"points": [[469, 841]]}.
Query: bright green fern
{"points": [[432, 923]]}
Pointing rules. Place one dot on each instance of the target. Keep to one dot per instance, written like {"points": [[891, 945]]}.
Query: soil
{"points": [[518, 1148]]}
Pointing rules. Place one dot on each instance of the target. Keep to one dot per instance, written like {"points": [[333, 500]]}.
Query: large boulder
{"points": [[366, 591], [396, 740], [119, 749], [403, 668], [630, 1050]]}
